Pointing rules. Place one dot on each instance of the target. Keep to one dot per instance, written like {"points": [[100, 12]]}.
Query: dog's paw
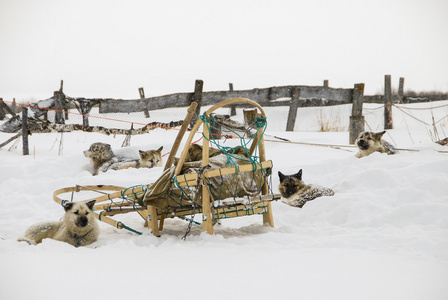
{"points": [[24, 239]]}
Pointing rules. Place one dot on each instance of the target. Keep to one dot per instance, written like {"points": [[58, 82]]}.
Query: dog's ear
{"points": [[281, 176], [90, 204], [160, 149], [68, 206], [299, 175], [379, 135], [141, 153]]}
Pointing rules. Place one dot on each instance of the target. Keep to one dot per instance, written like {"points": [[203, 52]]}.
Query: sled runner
{"points": [[216, 183]]}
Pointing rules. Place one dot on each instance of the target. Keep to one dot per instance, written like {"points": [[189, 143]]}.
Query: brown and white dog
{"points": [[369, 142], [78, 227]]}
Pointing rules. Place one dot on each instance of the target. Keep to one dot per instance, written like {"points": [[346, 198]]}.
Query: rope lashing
{"points": [[121, 225], [260, 123]]}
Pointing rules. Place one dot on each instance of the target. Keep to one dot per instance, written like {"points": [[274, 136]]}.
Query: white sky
{"points": [[110, 48]]}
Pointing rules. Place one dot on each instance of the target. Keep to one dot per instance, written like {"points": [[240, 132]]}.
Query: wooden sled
{"points": [[131, 198]]}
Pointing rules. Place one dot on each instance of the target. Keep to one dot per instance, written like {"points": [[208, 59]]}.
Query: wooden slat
{"points": [[262, 96], [190, 179], [240, 211]]}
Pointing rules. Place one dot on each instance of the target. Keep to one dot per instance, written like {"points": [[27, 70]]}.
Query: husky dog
{"points": [[103, 158], [296, 193], [150, 158], [78, 227], [369, 142]]}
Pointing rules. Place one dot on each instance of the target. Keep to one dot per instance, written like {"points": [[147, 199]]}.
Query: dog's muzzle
{"points": [[82, 221], [363, 144]]}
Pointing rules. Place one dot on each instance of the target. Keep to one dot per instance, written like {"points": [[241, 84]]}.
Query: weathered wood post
{"points": [[401, 89], [357, 121], [388, 122], [59, 107], [141, 91], [4, 109], [25, 148], [326, 83], [233, 106], [14, 107], [249, 116], [197, 97], [65, 106], [216, 131], [2, 112], [84, 109], [293, 110]]}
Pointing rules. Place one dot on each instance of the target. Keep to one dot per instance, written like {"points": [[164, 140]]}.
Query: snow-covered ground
{"points": [[383, 235]]}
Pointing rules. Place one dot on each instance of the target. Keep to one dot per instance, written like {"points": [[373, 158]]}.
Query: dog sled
{"points": [[215, 183]]}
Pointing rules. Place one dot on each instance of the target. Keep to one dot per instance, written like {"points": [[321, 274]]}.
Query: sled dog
{"points": [[103, 158], [369, 142], [296, 193], [78, 227]]}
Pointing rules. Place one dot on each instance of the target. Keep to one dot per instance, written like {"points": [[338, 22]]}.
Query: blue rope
{"points": [[260, 124], [119, 224]]}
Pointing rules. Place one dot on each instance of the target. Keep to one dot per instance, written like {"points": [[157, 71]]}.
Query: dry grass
{"points": [[329, 123]]}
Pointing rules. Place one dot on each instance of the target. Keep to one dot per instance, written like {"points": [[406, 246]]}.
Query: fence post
{"points": [[25, 147], [59, 116], [2, 112], [197, 97], [84, 107], [233, 106], [357, 121], [4, 109], [293, 110], [325, 83], [388, 122], [14, 107], [141, 91], [401, 89], [249, 116], [65, 106]]}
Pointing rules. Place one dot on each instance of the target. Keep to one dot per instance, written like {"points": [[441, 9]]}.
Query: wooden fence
{"points": [[294, 96], [272, 96]]}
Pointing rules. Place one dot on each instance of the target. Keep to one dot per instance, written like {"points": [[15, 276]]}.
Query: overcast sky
{"points": [[109, 48]]}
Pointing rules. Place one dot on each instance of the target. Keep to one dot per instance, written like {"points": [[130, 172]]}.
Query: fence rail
{"points": [[264, 96]]}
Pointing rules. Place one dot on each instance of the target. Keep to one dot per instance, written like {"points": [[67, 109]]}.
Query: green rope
{"points": [[121, 225], [260, 123]]}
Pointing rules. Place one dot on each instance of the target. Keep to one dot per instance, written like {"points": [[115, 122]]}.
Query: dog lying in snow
{"points": [[78, 227], [104, 159], [369, 142], [296, 193]]}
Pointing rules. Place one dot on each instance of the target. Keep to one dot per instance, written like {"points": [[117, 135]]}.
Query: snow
{"points": [[383, 235]]}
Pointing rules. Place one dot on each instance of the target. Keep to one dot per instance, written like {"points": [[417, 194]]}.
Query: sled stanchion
{"points": [[207, 218], [152, 220]]}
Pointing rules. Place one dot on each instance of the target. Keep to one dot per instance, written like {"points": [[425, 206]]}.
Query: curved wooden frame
{"points": [[120, 191], [258, 140]]}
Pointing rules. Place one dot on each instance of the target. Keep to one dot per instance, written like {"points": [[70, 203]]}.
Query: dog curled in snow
{"points": [[104, 159], [369, 142], [78, 227], [296, 193]]}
